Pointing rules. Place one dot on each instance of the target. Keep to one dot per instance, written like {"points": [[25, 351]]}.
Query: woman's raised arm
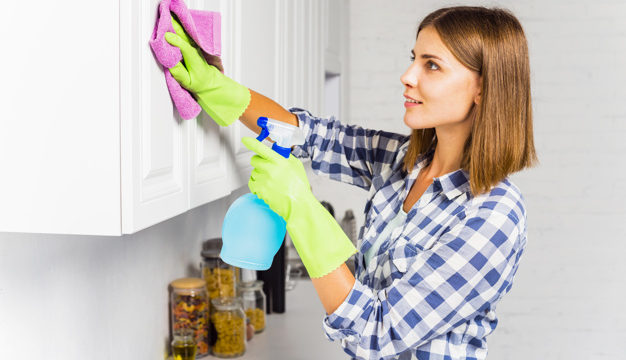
{"points": [[261, 105]]}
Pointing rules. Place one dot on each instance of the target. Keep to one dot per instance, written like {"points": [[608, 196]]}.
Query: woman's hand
{"points": [[221, 97], [210, 59], [283, 185]]}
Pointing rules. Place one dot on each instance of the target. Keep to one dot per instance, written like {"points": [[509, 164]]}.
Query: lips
{"points": [[410, 98]]}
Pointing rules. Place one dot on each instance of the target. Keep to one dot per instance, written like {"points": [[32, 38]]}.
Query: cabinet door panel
{"points": [[208, 158], [304, 56], [281, 46], [314, 71], [208, 176], [250, 52], [155, 139]]}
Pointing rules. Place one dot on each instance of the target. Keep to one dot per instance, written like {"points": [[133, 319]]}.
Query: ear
{"points": [[478, 96]]}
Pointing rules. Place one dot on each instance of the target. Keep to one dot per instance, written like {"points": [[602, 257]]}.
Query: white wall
{"points": [[567, 299], [97, 297]]}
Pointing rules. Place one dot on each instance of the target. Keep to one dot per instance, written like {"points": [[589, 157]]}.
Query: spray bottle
{"points": [[252, 233]]}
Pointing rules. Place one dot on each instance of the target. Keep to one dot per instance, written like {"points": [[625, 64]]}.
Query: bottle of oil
{"points": [[184, 345]]}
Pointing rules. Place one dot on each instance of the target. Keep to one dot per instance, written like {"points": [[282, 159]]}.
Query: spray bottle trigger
{"points": [[262, 123], [265, 125], [282, 151]]}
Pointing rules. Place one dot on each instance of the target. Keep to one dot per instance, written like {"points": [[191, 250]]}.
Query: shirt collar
{"points": [[451, 184]]}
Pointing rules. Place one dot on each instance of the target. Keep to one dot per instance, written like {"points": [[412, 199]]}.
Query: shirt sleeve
{"points": [[461, 277], [346, 153]]}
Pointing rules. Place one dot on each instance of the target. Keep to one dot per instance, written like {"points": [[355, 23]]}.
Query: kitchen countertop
{"points": [[297, 333]]}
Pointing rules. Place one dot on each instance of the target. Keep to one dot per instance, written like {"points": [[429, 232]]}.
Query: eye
{"points": [[428, 63]]}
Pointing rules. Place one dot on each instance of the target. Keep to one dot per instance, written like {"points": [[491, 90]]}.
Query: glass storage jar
{"points": [[253, 299], [220, 277], [190, 311], [184, 345], [229, 322]]}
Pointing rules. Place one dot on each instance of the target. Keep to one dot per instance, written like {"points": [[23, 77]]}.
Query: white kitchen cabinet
{"points": [[336, 55], [90, 140], [169, 165]]}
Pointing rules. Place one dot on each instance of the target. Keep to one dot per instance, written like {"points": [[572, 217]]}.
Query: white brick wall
{"points": [[566, 302]]}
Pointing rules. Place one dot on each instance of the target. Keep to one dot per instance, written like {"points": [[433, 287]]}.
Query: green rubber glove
{"points": [[283, 185], [221, 97], [211, 59], [180, 31]]}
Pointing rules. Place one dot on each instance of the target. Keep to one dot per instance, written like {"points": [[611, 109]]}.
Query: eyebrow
{"points": [[427, 56]]}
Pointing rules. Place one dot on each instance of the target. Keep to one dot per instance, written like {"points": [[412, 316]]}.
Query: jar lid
{"points": [[211, 248], [248, 275], [226, 303], [184, 335], [252, 285], [188, 283]]}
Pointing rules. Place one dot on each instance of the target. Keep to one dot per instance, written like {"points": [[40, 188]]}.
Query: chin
{"points": [[416, 124]]}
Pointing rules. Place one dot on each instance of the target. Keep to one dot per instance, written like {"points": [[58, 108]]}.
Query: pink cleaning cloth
{"points": [[203, 27]]}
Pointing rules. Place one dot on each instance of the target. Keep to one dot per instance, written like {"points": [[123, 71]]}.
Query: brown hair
{"points": [[492, 43]]}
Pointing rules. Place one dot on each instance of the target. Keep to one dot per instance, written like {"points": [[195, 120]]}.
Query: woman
{"points": [[444, 228]]}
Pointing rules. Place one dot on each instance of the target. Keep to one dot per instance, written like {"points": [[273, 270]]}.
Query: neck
{"points": [[449, 150]]}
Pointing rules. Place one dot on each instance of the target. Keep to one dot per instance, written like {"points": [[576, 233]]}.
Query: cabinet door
{"points": [[314, 55], [209, 160], [59, 133], [155, 140], [302, 55], [278, 53], [336, 87], [219, 162], [250, 53]]}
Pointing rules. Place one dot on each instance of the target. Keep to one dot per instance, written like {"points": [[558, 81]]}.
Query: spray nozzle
{"points": [[283, 134]]}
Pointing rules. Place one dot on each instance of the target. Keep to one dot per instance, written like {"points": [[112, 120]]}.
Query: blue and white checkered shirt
{"points": [[431, 289]]}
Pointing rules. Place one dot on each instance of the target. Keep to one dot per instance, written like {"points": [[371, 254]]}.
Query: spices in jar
{"points": [[219, 276], [229, 321], [219, 282], [257, 319], [253, 299], [190, 311]]}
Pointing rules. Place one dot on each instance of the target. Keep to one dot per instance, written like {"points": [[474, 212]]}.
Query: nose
{"points": [[409, 78]]}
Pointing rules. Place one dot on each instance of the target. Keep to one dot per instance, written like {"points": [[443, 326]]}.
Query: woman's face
{"points": [[446, 88]]}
